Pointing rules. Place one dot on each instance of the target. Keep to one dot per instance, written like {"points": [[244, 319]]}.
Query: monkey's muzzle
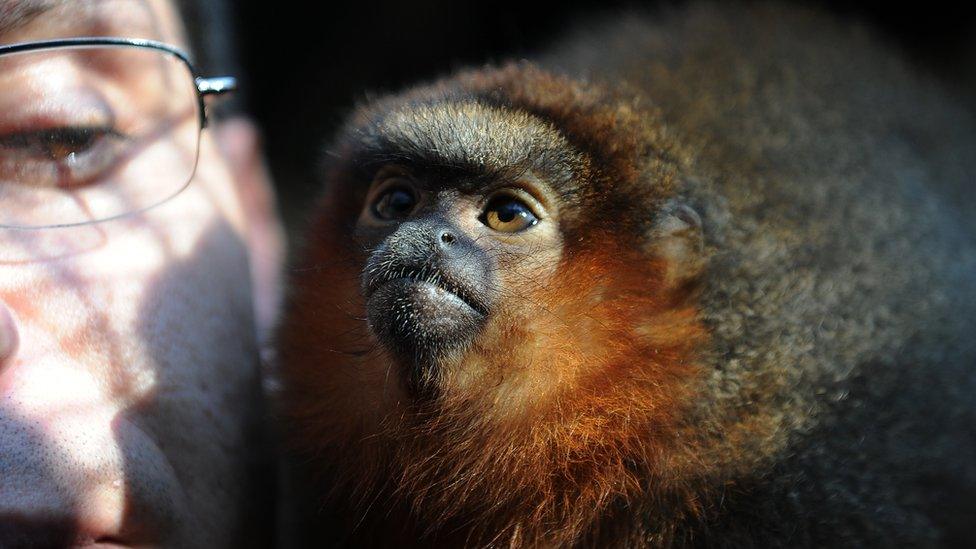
{"points": [[429, 291]]}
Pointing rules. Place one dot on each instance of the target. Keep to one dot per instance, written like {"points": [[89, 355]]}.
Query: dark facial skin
{"points": [[431, 279]]}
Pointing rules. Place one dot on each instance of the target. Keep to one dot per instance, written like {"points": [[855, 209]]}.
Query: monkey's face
{"points": [[448, 256]]}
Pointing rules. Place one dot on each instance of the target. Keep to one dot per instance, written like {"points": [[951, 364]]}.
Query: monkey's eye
{"points": [[508, 214], [394, 203]]}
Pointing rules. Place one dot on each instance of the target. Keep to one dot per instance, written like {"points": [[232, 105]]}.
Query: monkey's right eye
{"points": [[394, 203]]}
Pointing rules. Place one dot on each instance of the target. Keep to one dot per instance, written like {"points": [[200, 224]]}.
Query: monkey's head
{"points": [[500, 276], [445, 246]]}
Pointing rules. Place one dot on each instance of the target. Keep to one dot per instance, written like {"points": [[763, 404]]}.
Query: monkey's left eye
{"points": [[508, 214], [394, 203]]}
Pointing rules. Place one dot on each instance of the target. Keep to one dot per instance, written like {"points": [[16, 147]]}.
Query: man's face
{"points": [[129, 385]]}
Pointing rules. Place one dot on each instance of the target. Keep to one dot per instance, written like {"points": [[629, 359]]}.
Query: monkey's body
{"points": [[805, 378]]}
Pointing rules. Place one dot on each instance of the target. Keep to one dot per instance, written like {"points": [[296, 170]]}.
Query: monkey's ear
{"points": [[676, 238]]}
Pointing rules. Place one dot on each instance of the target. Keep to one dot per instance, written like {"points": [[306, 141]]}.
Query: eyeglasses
{"points": [[93, 129]]}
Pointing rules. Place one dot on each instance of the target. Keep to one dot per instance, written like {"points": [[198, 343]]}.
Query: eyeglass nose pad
{"points": [[8, 336]]}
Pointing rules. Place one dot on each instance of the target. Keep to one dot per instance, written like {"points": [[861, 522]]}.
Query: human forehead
{"points": [[26, 20]]}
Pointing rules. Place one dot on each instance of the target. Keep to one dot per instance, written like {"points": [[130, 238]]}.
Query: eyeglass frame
{"points": [[204, 87]]}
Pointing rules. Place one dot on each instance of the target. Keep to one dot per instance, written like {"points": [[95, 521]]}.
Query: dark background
{"points": [[307, 63]]}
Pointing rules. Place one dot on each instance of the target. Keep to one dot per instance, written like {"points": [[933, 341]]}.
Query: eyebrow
{"points": [[17, 13]]}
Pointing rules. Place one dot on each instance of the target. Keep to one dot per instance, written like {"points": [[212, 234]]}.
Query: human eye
{"points": [[62, 156], [89, 133]]}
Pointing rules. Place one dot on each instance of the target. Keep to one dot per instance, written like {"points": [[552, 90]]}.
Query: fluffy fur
{"points": [[810, 386]]}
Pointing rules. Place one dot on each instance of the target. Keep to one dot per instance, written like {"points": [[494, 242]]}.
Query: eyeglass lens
{"points": [[91, 133]]}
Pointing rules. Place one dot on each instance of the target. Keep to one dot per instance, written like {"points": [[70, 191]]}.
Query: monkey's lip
{"points": [[437, 292], [443, 288]]}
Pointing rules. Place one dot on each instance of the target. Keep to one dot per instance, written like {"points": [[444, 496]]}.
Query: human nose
{"points": [[8, 336]]}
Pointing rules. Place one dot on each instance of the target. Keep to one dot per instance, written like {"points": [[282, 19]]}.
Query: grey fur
{"points": [[837, 187]]}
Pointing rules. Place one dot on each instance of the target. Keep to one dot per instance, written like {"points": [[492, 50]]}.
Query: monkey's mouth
{"points": [[422, 314], [438, 285]]}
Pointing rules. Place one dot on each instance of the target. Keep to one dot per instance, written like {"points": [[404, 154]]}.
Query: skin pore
{"points": [[130, 398]]}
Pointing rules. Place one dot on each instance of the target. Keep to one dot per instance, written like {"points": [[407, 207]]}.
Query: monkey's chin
{"points": [[421, 325]]}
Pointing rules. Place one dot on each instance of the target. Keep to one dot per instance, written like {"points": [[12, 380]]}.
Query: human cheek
{"points": [[82, 292], [217, 185]]}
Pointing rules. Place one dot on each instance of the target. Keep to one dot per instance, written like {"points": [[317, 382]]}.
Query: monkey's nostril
{"points": [[447, 238]]}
